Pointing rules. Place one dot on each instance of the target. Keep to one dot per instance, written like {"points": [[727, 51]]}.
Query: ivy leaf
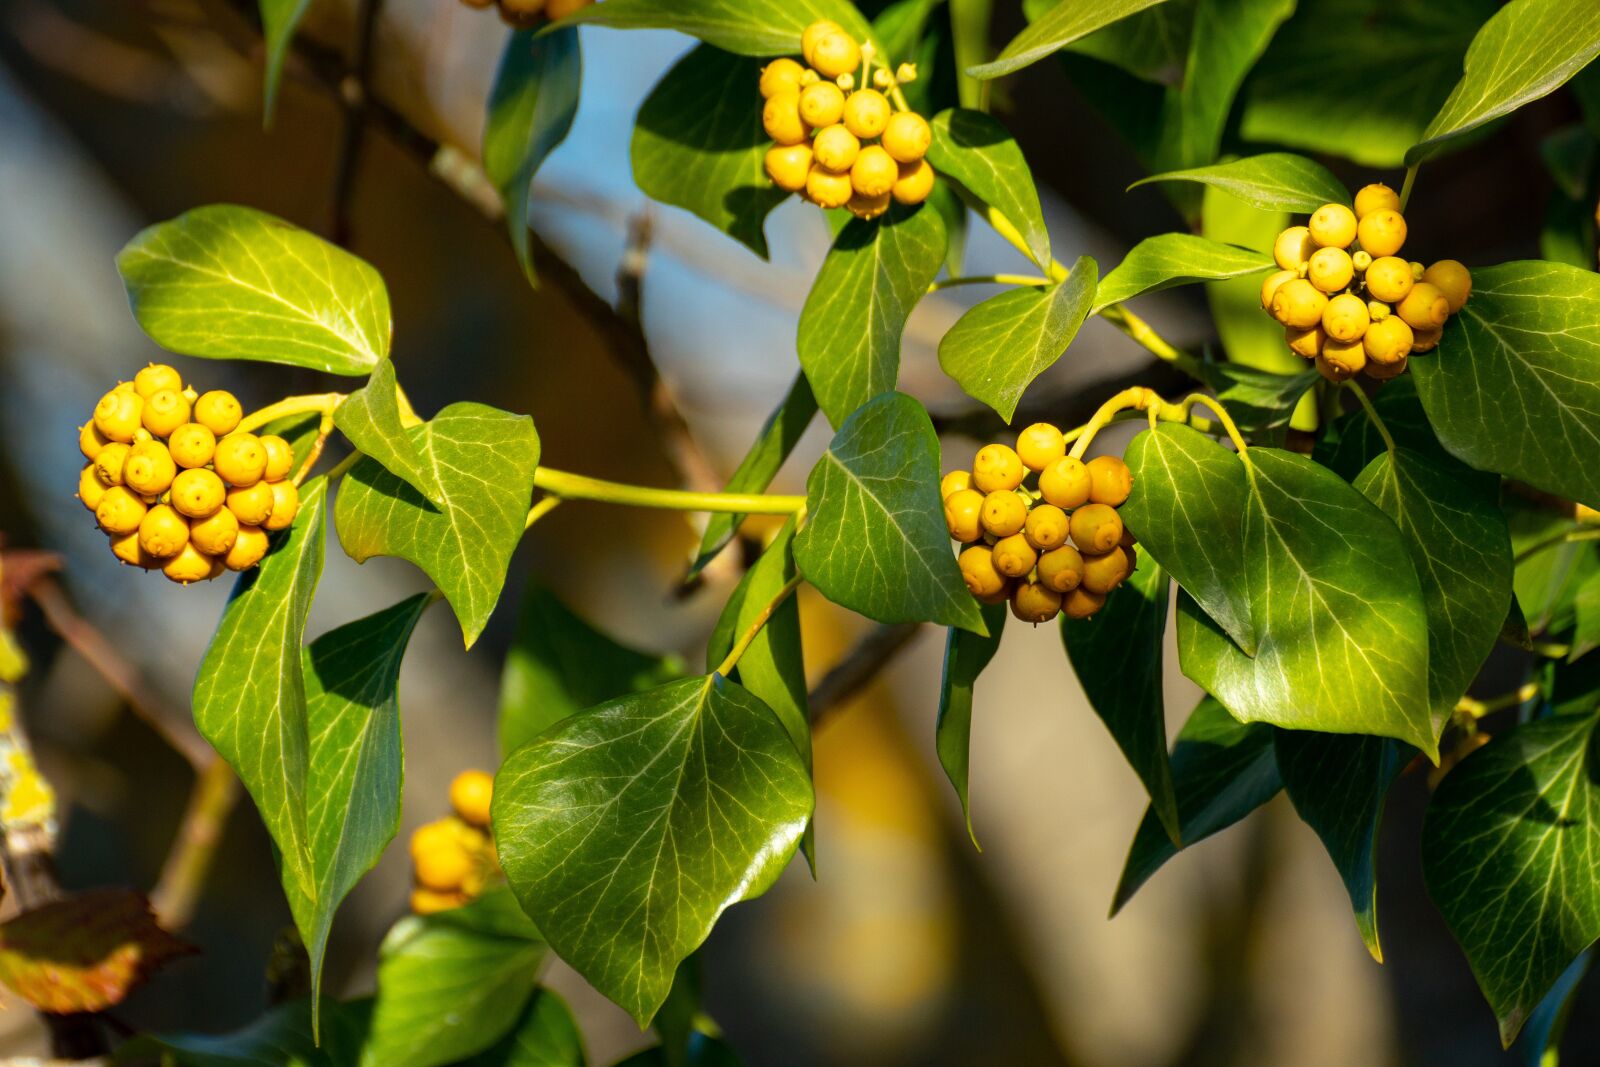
{"points": [[531, 108], [850, 327], [1258, 400], [226, 282], [778, 436], [749, 27], [1152, 45], [1187, 509], [1586, 618], [546, 1036], [280, 1037], [1338, 614], [1548, 579], [85, 952], [453, 983], [1508, 850], [1351, 441], [976, 150], [1527, 50], [1515, 385], [627, 829], [876, 542], [1172, 259], [1274, 181], [966, 654], [1541, 1037], [1222, 770], [279, 20], [299, 430], [484, 459], [1338, 784], [559, 663], [370, 418], [1054, 30], [997, 348]]}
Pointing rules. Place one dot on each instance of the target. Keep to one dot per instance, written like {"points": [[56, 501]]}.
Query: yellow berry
{"points": [[1307, 342], [1389, 279], [907, 136], [1096, 529], [1384, 371], [197, 493], [164, 411], [1293, 248], [149, 469], [963, 515], [874, 172], [248, 548], [91, 440], [1330, 269], [1340, 360], [443, 867], [816, 32], [1066, 483], [1003, 513], [780, 117], [827, 189], [835, 148], [285, 504], [1032, 602], [1345, 318], [120, 511], [90, 488], [977, 570], [218, 411], [192, 445], [108, 465], [821, 104], [834, 54], [781, 76], [1110, 480], [1376, 197], [1387, 342], [1061, 569], [866, 113], [1013, 556], [1046, 527], [430, 902], [215, 536], [189, 565], [1426, 340], [1453, 280], [1333, 226], [997, 467], [1103, 573], [914, 184], [126, 548], [1383, 232], [953, 482], [280, 457], [787, 165], [1040, 445], [867, 207], [117, 414], [252, 504], [1425, 307], [240, 459], [156, 377], [1080, 603], [1298, 303], [1270, 286], [470, 795], [163, 532]]}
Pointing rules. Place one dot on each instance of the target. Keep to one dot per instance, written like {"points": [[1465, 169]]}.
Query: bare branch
{"points": [[859, 667]]}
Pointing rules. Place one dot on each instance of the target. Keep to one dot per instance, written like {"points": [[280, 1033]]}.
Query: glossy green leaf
{"points": [[1222, 770], [484, 459], [1171, 259], [1187, 510], [748, 27], [969, 40], [1117, 657], [628, 828], [1550, 569], [226, 282], [280, 1037], [1054, 30], [1338, 785], [279, 20], [876, 541], [370, 418], [531, 107], [997, 348], [451, 984], [1527, 49], [900, 26], [1508, 851], [850, 327], [1258, 400], [559, 663], [966, 654], [1514, 386], [976, 150], [1586, 618], [1275, 181], [1152, 45], [546, 1036], [778, 436]]}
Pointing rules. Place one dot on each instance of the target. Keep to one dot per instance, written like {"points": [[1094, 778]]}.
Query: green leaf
{"points": [[628, 828], [1548, 578], [1350, 442], [484, 459], [1541, 1037], [545, 1036], [1152, 45], [279, 20], [1527, 50], [778, 436], [1256, 399], [1187, 510], [1172, 259], [699, 145], [1514, 387], [370, 418], [849, 338], [1338, 614], [1338, 785], [876, 541], [749, 27], [1054, 30], [226, 282], [1222, 770], [976, 150], [1457, 538], [531, 107], [559, 664], [965, 656], [1117, 656], [453, 983], [1586, 618], [1508, 851], [997, 348], [299, 430], [1274, 181], [281, 1037]]}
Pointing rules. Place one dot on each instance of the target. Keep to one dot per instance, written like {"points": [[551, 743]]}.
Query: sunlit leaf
{"points": [[1056, 29], [370, 418], [1152, 45], [1276, 181], [966, 654], [976, 150], [1257, 399], [85, 952], [1170, 259], [748, 27]]}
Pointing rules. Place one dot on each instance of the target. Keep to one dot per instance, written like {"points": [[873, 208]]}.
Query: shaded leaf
{"points": [[1171, 259], [749, 27], [1542, 1034], [1152, 45], [1257, 399], [279, 20], [1586, 618], [85, 952], [370, 418], [280, 1037], [1350, 441], [966, 654], [1054, 30], [1277, 181], [976, 150], [546, 1036]]}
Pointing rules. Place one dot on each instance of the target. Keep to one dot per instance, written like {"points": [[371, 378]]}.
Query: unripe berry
{"points": [[907, 136], [285, 504], [787, 165], [835, 54], [120, 511], [218, 411], [874, 172], [1389, 279], [835, 148], [1096, 529], [1425, 307], [1307, 342], [164, 411], [1361, 259], [953, 482], [1383, 232], [1061, 569], [1417, 271], [1046, 527], [156, 377], [1293, 248], [914, 183], [1330, 269], [1377, 310], [827, 189], [1376, 197], [963, 515], [845, 81], [1032, 602], [997, 467], [163, 532], [109, 463], [1040, 445], [780, 76], [1298, 303], [867, 207], [117, 414], [1103, 573], [1453, 280], [821, 104], [1066, 483], [1345, 318], [470, 794], [1382, 372], [90, 488], [1386, 342], [215, 536], [91, 440], [197, 493], [780, 117], [126, 548], [1333, 226], [1110, 480], [189, 565], [816, 32], [1426, 340], [1004, 513], [240, 460], [1341, 360], [252, 504], [429, 902], [280, 457], [149, 469], [1270, 286], [866, 113], [1080, 603], [1013, 556], [977, 570], [247, 550]]}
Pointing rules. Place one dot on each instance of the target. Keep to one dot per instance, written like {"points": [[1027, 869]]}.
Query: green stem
{"points": [[580, 487], [988, 279], [1516, 698], [1549, 649], [340, 469], [540, 510], [1190, 402], [1562, 538], [321, 403], [1372, 414], [1137, 398], [749, 635], [1405, 186]]}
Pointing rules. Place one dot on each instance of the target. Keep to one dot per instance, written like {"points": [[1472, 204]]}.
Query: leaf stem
{"points": [[1372, 414], [1516, 698], [324, 428], [581, 487], [340, 469], [1189, 403], [1405, 186], [988, 279], [760, 621], [322, 403], [1137, 398], [1562, 538], [544, 507]]}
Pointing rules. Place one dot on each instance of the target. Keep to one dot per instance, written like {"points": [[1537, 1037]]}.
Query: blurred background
{"points": [[909, 947]]}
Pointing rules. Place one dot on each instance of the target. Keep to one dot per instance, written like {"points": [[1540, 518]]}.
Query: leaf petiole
{"points": [[571, 486], [322, 403], [749, 635], [989, 279], [1372, 414]]}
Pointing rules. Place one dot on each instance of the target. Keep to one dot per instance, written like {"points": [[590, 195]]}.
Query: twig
{"points": [[194, 848], [850, 675], [353, 93]]}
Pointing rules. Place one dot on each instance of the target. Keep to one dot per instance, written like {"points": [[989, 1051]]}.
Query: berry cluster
{"points": [[1041, 526], [173, 484], [1366, 309], [525, 13], [822, 121], [454, 858]]}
